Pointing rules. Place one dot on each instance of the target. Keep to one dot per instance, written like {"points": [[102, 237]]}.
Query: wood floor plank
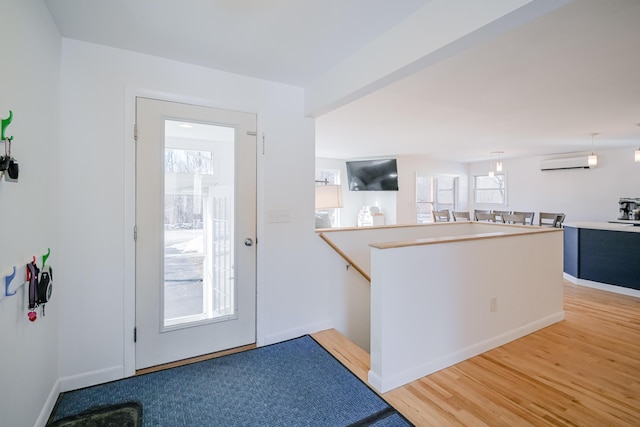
{"points": [[583, 371]]}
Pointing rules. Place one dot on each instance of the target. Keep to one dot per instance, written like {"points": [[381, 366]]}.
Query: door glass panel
{"points": [[198, 223]]}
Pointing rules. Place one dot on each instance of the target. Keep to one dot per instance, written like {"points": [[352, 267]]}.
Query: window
{"points": [[435, 193], [331, 175], [490, 189], [188, 161], [328, 177]]}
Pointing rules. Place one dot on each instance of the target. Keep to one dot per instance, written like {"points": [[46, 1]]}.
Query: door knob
{"points": [[248, 241]]}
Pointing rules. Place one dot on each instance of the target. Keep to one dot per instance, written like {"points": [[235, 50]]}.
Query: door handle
{"points": [[248, 241]]}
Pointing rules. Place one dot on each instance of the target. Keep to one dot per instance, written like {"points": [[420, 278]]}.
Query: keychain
{"points": [[40, 286], [8, 164], [32, 278], [45, 287]]}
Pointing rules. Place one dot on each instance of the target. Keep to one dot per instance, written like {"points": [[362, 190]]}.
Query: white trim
{"points": [[297, 332], [88, 379], [47, 408], [431, 366], [260, 225], [129, 246], [602, 286]]}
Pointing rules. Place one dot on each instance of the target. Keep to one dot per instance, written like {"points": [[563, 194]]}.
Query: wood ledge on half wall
{"points": [[523, 229]]}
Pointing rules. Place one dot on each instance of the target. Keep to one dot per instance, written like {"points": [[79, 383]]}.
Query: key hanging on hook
{"points": [[6, 159], [6, 162], [32, 277]]}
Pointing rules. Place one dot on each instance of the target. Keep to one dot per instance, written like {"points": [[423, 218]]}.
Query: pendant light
{"points": [[491, 173], [637, 157], [592, 159]]}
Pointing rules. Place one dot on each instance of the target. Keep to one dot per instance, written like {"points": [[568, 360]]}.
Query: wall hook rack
{"points": [[5, 123], [8, 280]]}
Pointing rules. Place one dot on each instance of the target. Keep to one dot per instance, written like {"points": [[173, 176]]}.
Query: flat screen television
{"points": [[373, 175]]}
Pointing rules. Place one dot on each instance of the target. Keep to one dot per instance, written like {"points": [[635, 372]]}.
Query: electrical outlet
{"points": [[493, 305]]}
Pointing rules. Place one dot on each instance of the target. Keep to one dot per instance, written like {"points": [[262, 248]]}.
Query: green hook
{"points": [[45, 256], [6, 122]]}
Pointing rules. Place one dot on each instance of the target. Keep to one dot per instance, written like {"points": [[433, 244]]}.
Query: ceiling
{"points": [[287, 41], [539, 89]]}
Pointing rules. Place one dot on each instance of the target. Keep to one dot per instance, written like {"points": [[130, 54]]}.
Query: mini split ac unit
{"points": [[579, 162]]}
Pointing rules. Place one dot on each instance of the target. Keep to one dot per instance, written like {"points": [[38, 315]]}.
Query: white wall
{"points": [[351, 308], [582, 194], [29, 86], [98, 90], [427, 313]]}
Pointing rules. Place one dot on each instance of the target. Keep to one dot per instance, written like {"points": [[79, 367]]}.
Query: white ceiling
{"points": [[287, 41], [538, 89]]}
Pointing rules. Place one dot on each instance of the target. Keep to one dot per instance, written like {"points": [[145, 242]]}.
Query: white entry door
{"points": [[195, 230]]}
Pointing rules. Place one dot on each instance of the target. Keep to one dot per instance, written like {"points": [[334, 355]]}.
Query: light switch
{"points": [[279, 215]]}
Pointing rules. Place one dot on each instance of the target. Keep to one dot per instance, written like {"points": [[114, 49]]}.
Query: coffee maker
{"points": [[629, 208]]}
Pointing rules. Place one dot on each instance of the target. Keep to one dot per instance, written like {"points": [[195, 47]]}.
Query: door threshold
{"points": [[194, 359]]}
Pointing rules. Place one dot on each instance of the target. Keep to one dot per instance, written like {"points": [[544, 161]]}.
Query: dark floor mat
{"points": [[127, 414]]}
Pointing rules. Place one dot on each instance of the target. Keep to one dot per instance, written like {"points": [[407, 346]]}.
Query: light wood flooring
{"points": [[583, 371]]}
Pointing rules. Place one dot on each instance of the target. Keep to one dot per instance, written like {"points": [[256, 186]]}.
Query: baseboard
{"points": [[388, 383], [375, 381], [47, 408], [602, 286], [296, 332], [88, 379]]}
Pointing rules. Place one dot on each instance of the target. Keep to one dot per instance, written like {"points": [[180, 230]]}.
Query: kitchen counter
{"points": [[603, 252], [625, 221], [616, 225]]}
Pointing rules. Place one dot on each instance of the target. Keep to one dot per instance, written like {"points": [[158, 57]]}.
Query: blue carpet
{"points": [[294, 383]]}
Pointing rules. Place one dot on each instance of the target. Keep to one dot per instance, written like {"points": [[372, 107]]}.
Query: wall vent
{"points": [[563, 163]]}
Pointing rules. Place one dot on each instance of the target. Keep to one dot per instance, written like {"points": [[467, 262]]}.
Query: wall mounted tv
{"points": [[373, 175]]}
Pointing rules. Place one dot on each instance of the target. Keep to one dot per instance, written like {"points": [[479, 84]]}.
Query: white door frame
{"points": [[129, 217]]}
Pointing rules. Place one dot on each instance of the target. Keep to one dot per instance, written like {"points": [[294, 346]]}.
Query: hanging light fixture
{"points": [[637, 157], [592, 159], [491, 173]]}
